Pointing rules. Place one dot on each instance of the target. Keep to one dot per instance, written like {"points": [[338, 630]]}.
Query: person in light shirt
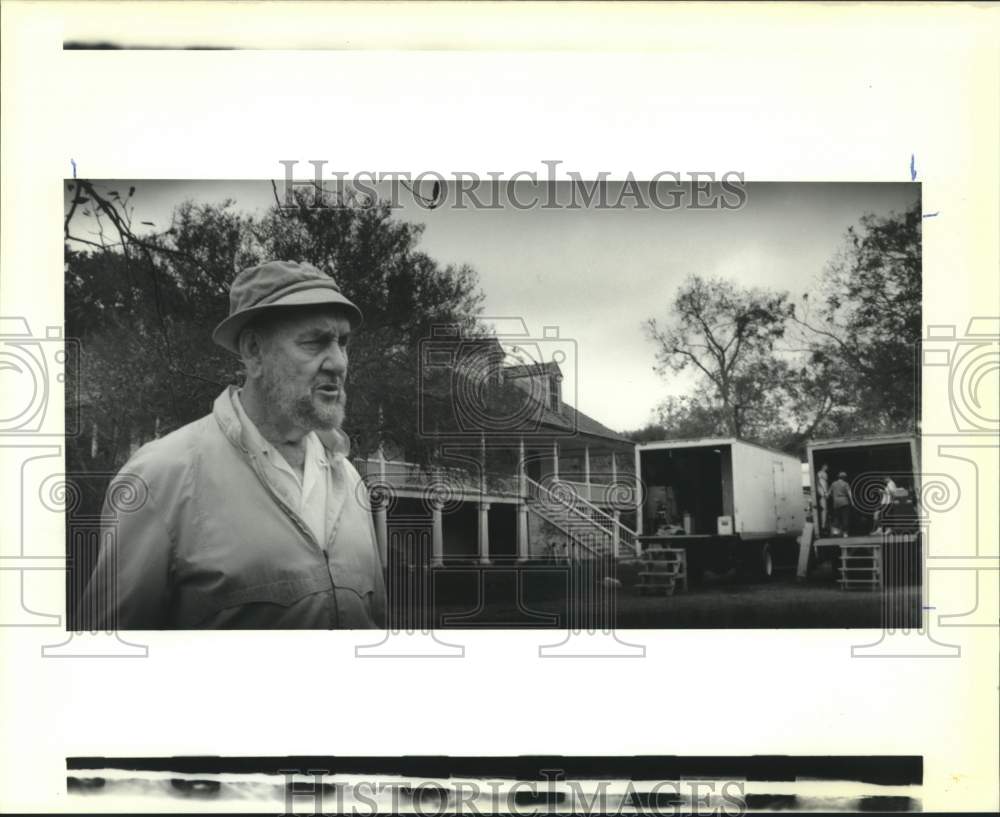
{"points": [[823, 497], [888, 493]]}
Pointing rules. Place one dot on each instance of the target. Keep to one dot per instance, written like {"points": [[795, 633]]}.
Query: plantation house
{"points": [[520, 474]]}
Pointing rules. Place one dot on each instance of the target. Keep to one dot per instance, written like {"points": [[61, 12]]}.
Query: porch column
{"points": [[437, 535], [522, 532], [640, 501], [381, 515], [381, 531], [522, 504], [482, 465], [555, 460], [614, 475], [586, 466], [615, 538], [522, 485], [484, 533]]}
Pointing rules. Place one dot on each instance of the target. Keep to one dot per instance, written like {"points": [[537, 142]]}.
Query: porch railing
{"points": [[402, 474], [602, 493], [560, 498], [412, 476]]}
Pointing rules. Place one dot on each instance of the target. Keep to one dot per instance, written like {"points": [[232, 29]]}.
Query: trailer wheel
{"points": [[766, 561]]}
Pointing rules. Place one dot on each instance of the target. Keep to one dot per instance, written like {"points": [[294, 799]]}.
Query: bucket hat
{"points": [[278, 285]]}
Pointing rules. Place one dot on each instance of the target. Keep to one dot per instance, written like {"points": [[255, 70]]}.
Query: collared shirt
{"points": [[307, 495]]}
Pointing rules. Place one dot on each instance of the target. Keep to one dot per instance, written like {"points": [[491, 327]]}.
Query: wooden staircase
{"points": [[860, 565], [592, 532], [662, 570]]}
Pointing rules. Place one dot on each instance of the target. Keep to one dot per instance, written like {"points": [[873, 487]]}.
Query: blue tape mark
{"points": [[74, 167], [913, 168], [931, 215]]}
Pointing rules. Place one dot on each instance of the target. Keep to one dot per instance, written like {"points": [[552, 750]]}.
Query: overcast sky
{"points": [[598, 273]]}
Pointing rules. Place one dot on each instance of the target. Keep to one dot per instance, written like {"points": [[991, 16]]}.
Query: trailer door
{"points": [[780, 497]]}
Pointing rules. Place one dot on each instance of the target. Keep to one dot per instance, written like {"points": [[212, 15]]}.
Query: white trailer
{"points": [[727, 502]]}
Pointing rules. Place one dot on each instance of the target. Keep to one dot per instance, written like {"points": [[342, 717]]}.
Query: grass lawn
{"points": [[484, 600]]}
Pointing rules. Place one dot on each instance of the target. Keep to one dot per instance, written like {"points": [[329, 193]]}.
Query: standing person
{"points": [[661, 521], [823, 498], [670, 505], [888, 494], [840, 498], [252, 517]]}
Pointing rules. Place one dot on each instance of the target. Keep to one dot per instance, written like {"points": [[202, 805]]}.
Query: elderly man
{"points": [[252, 517]]}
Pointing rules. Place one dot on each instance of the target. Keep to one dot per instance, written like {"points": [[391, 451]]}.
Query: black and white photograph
{"points": [[317, 422]]}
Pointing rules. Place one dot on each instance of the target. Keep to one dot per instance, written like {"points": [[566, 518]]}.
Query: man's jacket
{"points": [[202, 539]]}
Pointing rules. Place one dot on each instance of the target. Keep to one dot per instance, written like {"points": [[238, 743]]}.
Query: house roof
{"points": [[570, 418], [529, 369], [517, 379]]}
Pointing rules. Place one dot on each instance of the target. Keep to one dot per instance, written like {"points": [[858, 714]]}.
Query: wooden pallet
{"points": [[662, 570], [861, 566]]}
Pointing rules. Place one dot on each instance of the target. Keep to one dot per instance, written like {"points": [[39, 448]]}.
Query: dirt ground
{"points": [[718, 602]]}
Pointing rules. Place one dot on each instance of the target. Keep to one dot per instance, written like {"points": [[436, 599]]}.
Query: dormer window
{"points": [[555, 398], [543, 381]]}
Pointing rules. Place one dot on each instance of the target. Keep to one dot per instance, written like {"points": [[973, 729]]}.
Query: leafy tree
{"points": [[144, 302], [403, 293], [864, 329]]}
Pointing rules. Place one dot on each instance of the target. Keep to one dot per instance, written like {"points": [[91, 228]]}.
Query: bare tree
{"points": [[728, 334]]}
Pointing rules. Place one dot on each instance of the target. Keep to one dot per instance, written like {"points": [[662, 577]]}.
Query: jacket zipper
{"points": [[302, 527]]}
